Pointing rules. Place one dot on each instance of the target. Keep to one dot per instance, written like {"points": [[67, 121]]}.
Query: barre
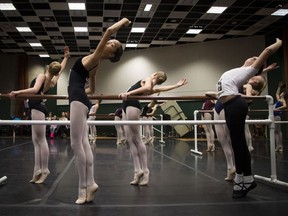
{"points": [[123, 122], [116, 97]]}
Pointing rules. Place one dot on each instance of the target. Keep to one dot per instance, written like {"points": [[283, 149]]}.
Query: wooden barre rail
{"points": [[115, 97]]}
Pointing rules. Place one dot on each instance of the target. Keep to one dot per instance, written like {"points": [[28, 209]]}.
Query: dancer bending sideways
{"points": [[222, 131], [41, 85], [86, 68], [236, 110], [131, 111]]}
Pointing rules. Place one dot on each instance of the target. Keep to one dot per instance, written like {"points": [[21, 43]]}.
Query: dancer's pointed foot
{"points": [[210, 148], [145, 180], [36, 176], [279, 149], [250, 148], [230, 174], [137, 178], [43, 177], [81, 197], [91, 190], [244, 189]]}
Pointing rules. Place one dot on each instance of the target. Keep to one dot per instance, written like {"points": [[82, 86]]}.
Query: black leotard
{"points": [[38, 104], [134, 103], [76, 86]]}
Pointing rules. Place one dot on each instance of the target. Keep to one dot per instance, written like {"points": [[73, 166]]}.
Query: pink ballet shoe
{"points": [[210, 148], [36, 176], [279, 149], [91, 190], [250, 148], [81, 197], [145, 180], [43, 177], [137, 178], [230, 174]]}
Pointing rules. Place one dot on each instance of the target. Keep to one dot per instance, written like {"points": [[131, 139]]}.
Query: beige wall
{"points": [[201, 63]]}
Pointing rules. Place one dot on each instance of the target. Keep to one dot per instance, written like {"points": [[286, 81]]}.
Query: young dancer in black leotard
{"points": [[40, 85], [132, 110], [85, 69]]}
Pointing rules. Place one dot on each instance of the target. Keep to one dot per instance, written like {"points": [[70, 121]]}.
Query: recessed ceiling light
{"points": [[7, 6], [80, 29], [77, 6], [44, 55], [23, 29], [216, 10], [148, 7], [131, 45], [35, 44], [280, 12], [194, 31], [138, 30]]}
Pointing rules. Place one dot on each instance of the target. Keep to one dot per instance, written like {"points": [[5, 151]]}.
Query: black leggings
{"points": [[236, 111]]}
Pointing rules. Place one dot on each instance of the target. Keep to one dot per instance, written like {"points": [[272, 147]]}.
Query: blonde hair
{"points": [[261, 86], [161, 77], [54, 68]]}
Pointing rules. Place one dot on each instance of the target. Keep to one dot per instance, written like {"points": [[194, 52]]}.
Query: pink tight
{"points": [[133, 135], [80, 144]]}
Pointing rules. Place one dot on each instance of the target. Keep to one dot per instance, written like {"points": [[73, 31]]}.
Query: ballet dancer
{"points": [[279, 106], [147, 115], [92, 117], [121, 140], [86, 68], [222, 131], [210, 136], [39, 86], [236, 110], [132, 110]]}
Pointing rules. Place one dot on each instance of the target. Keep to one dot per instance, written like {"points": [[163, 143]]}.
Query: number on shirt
{"points": [[219, 86]]}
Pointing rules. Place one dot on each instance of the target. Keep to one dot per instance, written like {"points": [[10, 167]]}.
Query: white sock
{"points": [[238, 179], [248, 179]]}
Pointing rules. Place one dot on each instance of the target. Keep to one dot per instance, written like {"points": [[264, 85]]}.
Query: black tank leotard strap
{"points": [[134, 103]]}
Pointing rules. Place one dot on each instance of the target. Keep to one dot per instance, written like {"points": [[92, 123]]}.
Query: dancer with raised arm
{"points": [[84, 69]]}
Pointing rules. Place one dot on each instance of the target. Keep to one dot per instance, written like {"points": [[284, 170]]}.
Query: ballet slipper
{"points": [[137, 178], [230, 174], [36, 176], [43, 177], [213, 148], [81, 197], [279, 149], [250, 148], [145, 180], [210, 147], [91, 190]]}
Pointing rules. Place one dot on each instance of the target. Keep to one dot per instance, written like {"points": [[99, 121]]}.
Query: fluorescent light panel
{"points": [[148, 7], [7, 6], [35, 44], [44, 55], [138, 30], [23, 29], [80, 29], [280, 12], [194, 31], [216, 10], [131, 45], [77, 6]]}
